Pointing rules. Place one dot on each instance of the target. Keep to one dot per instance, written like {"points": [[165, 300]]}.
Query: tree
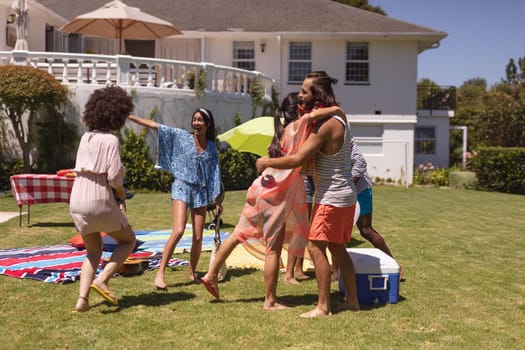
{"points": [[26, 93], [511, 72], [364, 5], [502, 121], [515, 73]]}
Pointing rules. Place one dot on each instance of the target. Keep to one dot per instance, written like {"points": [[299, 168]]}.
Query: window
{"points": [[244, 55], [425, 140], [300, 61], [357, 65], [369, 138]]}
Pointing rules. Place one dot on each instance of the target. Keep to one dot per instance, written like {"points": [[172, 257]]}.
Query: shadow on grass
{"points": [[311, 299], [288, 300], [151, 299], [354, 242], [238, 272], [52, 224]]}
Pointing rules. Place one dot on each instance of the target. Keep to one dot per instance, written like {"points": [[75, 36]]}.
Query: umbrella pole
{"points": [[120, 37]]}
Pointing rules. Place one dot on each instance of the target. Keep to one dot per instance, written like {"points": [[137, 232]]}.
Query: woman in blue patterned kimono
{"points": [[193, 160]]}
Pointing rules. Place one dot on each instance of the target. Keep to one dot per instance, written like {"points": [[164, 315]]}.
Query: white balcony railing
{"points": [[202, 78]]}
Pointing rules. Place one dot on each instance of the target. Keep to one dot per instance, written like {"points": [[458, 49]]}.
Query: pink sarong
{"points": [[277, 199]]}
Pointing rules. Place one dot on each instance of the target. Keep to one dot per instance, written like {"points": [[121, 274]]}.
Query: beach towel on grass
{"points": [[155, 240], [60, 263]]}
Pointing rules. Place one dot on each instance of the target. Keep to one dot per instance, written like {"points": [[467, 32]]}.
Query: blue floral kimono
{"points": [[177, 154]]}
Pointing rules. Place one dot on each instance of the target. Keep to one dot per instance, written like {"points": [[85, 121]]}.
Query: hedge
{"points": [[500, 169]]}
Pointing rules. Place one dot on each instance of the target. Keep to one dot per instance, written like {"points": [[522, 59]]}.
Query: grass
{"points": [[463, 251]]}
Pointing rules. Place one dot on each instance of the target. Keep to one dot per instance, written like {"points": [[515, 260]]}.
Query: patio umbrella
{"points": [[20, 8], [254, 136], [117, 20]]}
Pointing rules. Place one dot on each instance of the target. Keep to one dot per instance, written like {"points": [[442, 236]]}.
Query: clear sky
{"points": [[482, 36]]}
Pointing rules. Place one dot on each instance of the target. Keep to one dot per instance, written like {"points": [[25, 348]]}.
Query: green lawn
{"points": [[463, 252]]}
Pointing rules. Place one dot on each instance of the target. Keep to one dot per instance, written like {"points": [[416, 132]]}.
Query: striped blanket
{"points": [[154, 240], [62, 263]]}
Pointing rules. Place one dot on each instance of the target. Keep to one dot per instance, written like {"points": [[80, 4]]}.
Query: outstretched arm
{"points": [[322, 113], [144, 122]]}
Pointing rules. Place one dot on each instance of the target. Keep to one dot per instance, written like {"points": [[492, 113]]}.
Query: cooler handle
{"points": [[371, 279]]}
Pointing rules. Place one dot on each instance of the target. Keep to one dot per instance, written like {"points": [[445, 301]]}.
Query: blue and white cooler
{"points": [[377, 276]]}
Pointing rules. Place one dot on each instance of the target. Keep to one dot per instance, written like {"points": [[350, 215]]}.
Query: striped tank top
{"points": [[332, 175]]}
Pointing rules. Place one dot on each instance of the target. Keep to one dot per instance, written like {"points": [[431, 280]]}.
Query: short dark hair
{"points": [[107, 109], [207, 115]]}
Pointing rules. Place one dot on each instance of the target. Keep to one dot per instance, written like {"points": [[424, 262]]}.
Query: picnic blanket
{"points": [[62, 263], [154, 240]]}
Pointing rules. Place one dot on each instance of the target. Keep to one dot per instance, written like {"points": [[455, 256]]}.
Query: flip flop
{"points": [[212, 289], [108, 296]]}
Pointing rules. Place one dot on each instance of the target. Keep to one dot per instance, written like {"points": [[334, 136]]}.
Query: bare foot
{"points": [[291, 280], [194, 278], [159, 282], [315, 313], [275, 306], [82, 304], [301, 276], [347, 307]]}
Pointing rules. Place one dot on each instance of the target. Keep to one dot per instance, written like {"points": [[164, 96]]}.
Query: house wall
{"points": [[388, 101], [4, 12], [392, 90], [38, 17], [172, 109], [442, 126]]}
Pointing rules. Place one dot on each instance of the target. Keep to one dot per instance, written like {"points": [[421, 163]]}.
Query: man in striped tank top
{"points": [[335, 196]]}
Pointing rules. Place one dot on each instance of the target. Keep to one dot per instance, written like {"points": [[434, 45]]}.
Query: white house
{"points": [[374, 58]]}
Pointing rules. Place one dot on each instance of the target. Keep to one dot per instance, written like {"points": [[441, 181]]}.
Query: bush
{"points": [[25, 93], [500, 169], [55, 143], [463, 179], [6, 170], [237, 169], [140, 168], [428, 174]]}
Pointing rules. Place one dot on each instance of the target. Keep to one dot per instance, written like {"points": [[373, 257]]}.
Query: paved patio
{"points": [[7, 215]]}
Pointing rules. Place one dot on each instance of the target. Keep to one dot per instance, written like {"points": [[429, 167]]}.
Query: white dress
{"points": [[98, 169]]}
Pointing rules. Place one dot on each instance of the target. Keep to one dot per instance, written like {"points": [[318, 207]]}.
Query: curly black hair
{"points": [[108, 109]]}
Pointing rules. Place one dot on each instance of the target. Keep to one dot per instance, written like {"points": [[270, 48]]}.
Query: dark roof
{"points": [[321, 16]]}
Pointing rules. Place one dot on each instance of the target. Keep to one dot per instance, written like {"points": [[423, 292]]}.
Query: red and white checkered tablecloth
{"points": [[32, 189]]}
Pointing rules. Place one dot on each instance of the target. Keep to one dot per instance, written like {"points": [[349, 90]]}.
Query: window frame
{"points": [[237, 61], [364, 62], [419, 147], [294, 59]]}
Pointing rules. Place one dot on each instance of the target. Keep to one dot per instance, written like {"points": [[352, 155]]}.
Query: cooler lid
{"points": [[372, 261]]}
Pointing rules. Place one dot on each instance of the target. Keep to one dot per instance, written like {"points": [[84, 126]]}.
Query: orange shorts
{"points": [[332, 224]]}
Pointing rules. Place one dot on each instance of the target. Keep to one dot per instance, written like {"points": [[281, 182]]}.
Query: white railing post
{"points": [[80, 75], [65, 78], [19, 57], [117, 70], [123, 72]]}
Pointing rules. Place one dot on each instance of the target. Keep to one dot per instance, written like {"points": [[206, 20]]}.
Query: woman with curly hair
{"points": [[99, 179]]}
